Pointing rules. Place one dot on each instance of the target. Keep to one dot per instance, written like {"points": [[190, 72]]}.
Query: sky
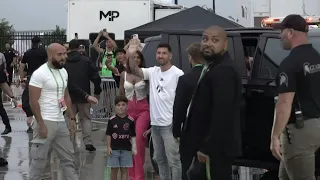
{"points": [[34, 15], [28, 15]]}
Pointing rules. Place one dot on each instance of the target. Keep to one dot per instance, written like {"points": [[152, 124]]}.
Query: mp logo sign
{"points": [[111, 15]]}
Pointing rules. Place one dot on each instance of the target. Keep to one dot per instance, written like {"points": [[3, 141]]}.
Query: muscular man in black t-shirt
{"points": [[295, 134], [32, 59]]}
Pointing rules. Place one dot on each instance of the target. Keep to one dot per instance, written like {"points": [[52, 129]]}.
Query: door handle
{"points": [[257, 90]]}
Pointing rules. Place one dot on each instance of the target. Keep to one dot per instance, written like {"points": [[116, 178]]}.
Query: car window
{"points": [[173, 42], [186, 40], [274, 54], [149, 52]]}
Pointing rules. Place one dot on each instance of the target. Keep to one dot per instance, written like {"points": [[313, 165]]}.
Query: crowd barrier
{"points": [[105, 108]]}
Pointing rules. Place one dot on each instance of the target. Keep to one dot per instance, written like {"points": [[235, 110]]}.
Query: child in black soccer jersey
{"points": [[121, 140]]}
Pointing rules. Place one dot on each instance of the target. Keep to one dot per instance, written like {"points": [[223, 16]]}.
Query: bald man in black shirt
{"points": [[213, 125]]}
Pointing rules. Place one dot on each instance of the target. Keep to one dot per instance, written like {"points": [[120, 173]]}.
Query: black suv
{"points": [[264, 46]]}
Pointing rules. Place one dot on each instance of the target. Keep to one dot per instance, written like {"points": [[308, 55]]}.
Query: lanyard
{"points": [[57, 81], [198, 65]]}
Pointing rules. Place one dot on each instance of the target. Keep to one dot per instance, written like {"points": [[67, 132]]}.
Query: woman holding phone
{"points": [[136, 90]]}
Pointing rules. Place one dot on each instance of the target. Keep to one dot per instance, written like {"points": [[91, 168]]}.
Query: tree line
{"points": [[9, 35]]}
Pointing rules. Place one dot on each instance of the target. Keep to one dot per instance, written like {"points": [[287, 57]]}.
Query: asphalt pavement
{"points": [[15, 148]]}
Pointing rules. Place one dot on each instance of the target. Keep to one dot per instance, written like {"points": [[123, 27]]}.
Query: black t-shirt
{"points": [[121, 130], [34, 58], [300, 73], [116, 78], [9, 54]]}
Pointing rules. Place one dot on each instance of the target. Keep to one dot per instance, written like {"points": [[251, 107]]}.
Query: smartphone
{"points": [[135, 36]]}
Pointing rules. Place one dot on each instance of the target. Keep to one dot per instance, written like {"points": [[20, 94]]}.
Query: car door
{"points": [[261, 90]]}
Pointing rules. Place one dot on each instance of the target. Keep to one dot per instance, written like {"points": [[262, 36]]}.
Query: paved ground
{"points": [[15, 148]]}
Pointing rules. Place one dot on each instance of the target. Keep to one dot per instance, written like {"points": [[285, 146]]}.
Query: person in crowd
{"points": [[163, 81], [3, 113], [135, 89], [76, 62], [48, 89], [32, 60], [185, 88], [111, 46], [213, 126], [295, 136], [11, 60], [121, 141], [248, 61], [119, 67]]}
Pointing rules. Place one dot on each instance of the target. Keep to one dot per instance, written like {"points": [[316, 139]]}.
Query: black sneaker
{"points": [[6, 131], [3, 162], [30, 130], [90, 148]]}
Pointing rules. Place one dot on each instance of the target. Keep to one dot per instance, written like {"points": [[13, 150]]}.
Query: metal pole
{"points": [[214, 6]]}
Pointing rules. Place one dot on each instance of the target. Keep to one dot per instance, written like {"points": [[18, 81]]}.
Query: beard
{"points": [[56, 64], [210, 57]]}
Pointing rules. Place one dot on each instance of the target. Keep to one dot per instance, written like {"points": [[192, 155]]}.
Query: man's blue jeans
{"points": [[166, 152]]}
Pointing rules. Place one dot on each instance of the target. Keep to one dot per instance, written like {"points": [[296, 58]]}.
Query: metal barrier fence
{"points": [[105, 109], [21, 40]]}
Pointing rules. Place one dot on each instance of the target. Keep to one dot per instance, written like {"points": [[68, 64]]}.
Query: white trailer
{"points": [[278, 9], [91, 16], [239, 11]]}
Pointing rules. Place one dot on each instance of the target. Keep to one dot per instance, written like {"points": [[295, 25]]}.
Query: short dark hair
{"points": [[121, 99], [195, 53], [74, 44], [164, 45], [35, 40]]}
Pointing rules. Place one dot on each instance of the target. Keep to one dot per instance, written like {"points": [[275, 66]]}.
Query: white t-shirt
{"points": [[49, 101], [162, 93]]}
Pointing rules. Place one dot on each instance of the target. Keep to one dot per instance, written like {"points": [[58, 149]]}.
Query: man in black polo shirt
{"points": [[10, 55], [296, 131], [33, 59]]}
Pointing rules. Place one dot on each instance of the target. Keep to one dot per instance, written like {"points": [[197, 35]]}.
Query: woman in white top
{"points": [[135, 89]]}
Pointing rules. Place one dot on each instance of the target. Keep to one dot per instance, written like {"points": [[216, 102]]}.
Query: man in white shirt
{"points": [[49, 99], [163, 81]]}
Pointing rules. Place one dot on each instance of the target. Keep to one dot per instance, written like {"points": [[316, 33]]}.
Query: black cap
{"points": [[35, 40], [74, 44], [293, 21], [119, 50]]}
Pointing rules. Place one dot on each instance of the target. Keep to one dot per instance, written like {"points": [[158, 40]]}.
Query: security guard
{"points": [[295, 134], [33, 58], [11, 59]]}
